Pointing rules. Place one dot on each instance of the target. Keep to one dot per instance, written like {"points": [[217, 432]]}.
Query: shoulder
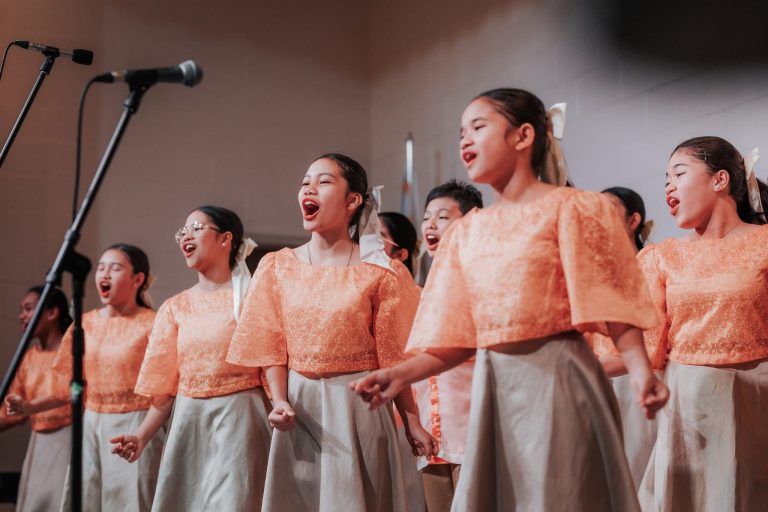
{"points": [[583, 201]]}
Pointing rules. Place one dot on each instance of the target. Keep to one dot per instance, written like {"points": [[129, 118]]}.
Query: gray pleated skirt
{"points": [[44, 471], [711, 452], [215, 456], [339, 457], [544, 433], [111, 482]]}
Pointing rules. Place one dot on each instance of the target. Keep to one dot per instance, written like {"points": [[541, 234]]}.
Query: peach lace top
{"points": [[114, 349], [33, 381], [713, 295], [522, 272], [188, 346], [324, 319]]}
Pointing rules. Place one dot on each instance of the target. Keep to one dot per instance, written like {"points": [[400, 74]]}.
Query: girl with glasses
{"points": [[215, 455]]}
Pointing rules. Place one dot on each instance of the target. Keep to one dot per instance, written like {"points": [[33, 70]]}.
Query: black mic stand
{"points": [[70, 261], [45, 70]]}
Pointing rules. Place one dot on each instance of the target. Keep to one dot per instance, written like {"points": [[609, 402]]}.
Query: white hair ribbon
{"points": [[555, 171], [371, 244], [753, 189], [241, 276]]}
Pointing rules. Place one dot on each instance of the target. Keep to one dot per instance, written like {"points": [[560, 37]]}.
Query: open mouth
{"points": [[188, 248], [468, 157], [104, 288], [432, 242], [310, 208], [673, 204]]}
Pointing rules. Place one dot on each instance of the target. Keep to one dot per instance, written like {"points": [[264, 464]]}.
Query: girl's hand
{"points": [[127, 446], [422, 443], [282, 417], [378, 387], [16, 406], [652, 393]]}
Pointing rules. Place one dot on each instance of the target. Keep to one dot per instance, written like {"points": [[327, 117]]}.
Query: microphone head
{"points": [[80, 56], [191, 72]]}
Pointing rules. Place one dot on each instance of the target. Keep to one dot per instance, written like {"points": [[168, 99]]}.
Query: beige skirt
{"points": [[544, 433], [639, 432], [340, 456], [44, 470], [215, 456], [711, 452], [110, 482]]}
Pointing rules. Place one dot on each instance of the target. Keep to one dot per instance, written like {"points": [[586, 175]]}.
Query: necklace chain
{"points": [[349, 260]]}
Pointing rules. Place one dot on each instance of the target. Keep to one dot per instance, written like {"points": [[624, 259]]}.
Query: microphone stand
{"points": [[45, 70], [78, 265]]}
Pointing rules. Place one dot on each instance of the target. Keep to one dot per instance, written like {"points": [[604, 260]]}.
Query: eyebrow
{"points": [[321, 174]]}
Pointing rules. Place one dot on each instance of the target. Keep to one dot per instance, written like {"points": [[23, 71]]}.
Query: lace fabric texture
{"points": [[188, 345], [324, 319], [114, 349], [515, 273], [33, 380], [713, 296]]}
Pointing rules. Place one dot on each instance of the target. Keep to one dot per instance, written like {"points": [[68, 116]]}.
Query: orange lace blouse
{"points": [[713, 295], [324, 319], [188, 346], [33, 381], [114, 349], [522, 272]]}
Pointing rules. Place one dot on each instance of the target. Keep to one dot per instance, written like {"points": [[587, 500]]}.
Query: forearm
{"points": [[629, 342], [406, 407], [277, 378], [157, 415], [43, 404], [432, 362], [613, 365]]}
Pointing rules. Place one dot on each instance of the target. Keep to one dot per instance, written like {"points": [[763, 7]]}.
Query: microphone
{"points": [[187, 73], [78, 55]]}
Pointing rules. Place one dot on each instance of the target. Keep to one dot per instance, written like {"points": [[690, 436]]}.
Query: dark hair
{"points": [[403, 233], [466, 195], [57, 299], [140, 263], [357, 180], [719, 154], [633, 203], [226, 220], [520, 107]]}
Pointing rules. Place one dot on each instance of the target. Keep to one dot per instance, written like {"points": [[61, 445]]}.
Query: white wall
{"points": [[430, 58]]}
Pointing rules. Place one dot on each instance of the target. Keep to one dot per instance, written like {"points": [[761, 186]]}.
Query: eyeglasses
{"points": [[194, 229]]}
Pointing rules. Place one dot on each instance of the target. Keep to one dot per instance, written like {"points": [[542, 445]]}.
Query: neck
{"points": [[214, 277], [721, 221], [331, 240], [51, 340], [519, 187], [127, 309]]}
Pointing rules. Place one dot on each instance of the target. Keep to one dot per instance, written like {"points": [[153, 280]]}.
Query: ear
{"points": [[634, 221], [52, 314], [138, 279], [524, 136], [226, 237], [354, 200], [722, 179], [400, 255]]}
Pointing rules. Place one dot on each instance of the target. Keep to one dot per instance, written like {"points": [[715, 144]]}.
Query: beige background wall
{"points": [[285, 81]]}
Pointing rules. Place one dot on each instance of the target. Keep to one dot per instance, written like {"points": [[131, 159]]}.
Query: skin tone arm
{"points": [[381, 386], [422, 443], [129, 446], [282, 417], [18, 406], [613, 365]]}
